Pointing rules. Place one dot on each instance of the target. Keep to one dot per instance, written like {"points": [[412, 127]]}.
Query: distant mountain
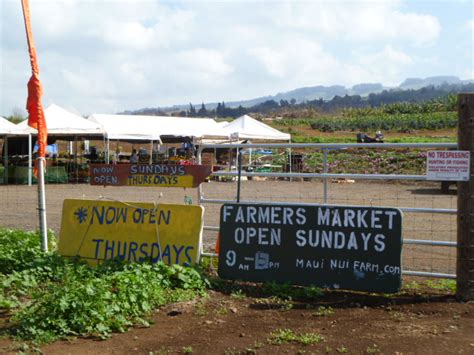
{"points": [[320, 92], [417, 83], [366, 89]]}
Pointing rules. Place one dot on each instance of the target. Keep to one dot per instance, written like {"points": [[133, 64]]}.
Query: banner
{"points": [[164, 175]]}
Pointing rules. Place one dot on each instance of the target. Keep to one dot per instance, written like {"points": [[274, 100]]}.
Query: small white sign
{"points": [[447, 165]]}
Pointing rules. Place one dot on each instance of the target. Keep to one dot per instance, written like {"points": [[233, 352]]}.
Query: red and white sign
{"points": [[448, 165]]}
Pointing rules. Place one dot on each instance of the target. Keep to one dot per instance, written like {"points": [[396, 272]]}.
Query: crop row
{"points": [[385, 122]]}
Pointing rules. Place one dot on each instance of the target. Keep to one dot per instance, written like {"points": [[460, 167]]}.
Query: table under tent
{"points": [[157, 139], [246, 129], [165, 139], [68, 153]]}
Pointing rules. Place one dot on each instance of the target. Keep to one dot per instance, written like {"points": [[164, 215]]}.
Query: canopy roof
{"points": [[246, 127], [61, 122], [10, 129], [137, 127]]}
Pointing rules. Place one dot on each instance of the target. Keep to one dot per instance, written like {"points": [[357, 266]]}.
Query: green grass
{"points": [[442, 285]]}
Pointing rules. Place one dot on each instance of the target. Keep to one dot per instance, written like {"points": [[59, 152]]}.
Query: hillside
{"points": [[311, 93]]}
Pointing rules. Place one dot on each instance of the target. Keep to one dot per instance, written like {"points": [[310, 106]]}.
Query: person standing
{"points": [[134, 157]]}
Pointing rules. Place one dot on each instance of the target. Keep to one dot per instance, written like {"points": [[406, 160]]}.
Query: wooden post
{"points": [[465, 249]]}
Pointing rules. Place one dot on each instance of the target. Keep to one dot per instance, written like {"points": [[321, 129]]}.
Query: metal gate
{"points": [[429, 228]]}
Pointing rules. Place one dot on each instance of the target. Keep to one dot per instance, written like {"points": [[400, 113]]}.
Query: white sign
{"points": [[448, 165]]}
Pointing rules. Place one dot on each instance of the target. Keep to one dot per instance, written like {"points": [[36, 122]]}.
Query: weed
{"points": [[284, 336], [200, 309], [398, 316], [287, 291], [187, 349], [412, 285], [442, 285], [342, 349], [275, 302], [373, 349], [322, 311], [239, 294], [231, 351], [222, 311]]}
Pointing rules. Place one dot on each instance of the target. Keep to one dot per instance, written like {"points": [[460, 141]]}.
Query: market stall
{"points": [[74, 130]]}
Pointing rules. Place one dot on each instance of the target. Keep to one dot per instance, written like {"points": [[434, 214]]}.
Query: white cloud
{"points": [[360, 21], [116, 55], [470, 25]]}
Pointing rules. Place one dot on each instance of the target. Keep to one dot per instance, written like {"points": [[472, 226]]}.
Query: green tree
{"points": [[202, 111]]}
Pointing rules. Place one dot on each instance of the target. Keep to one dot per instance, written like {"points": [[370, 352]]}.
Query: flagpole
{"points": [[37, 120], [41, 161]]}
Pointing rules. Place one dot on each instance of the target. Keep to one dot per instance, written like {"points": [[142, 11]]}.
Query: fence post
{"points": [[239, 178], [465, 220]]}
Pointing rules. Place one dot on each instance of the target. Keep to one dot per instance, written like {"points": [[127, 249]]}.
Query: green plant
{"points": [[19, 249], [222, 310], [200, 309], [187, 349], [239, 294], [286, 291], [52, 297], [322, 311], [275, 302], [373, 349], [342, 349], [412, 285], [102, 300], [442, 285], [283, 336]]}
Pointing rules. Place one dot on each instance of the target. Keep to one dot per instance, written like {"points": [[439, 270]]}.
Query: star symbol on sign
{"points": [[81, 214]]}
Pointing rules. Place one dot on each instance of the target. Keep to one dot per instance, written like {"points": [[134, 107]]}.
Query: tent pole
{"points": [[289, 151], [5, 159], [30, 163], [250, 157], [75, 158], [107, 151], [151, 152]]}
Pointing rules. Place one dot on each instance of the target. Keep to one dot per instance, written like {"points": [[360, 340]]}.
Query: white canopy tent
{"points": [[64, 124], [138, 127], [8, 129], [61, 122], [246, 127], [158, 128]]}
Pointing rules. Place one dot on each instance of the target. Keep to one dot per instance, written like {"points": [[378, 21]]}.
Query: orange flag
{"points": [[33, 104]]}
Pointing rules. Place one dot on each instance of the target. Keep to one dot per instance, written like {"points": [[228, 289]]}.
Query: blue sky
{"points": [[109, 56]]}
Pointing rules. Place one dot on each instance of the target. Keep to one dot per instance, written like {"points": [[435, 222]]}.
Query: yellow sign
{"points": [[160, 180], [98, 230]]}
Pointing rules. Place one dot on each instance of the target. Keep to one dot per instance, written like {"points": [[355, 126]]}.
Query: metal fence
{"points": [[326, 175], [429, 227]]}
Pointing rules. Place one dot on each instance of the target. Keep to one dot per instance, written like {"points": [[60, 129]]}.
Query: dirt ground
{"points": [[419, 320], [339, 322]]}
